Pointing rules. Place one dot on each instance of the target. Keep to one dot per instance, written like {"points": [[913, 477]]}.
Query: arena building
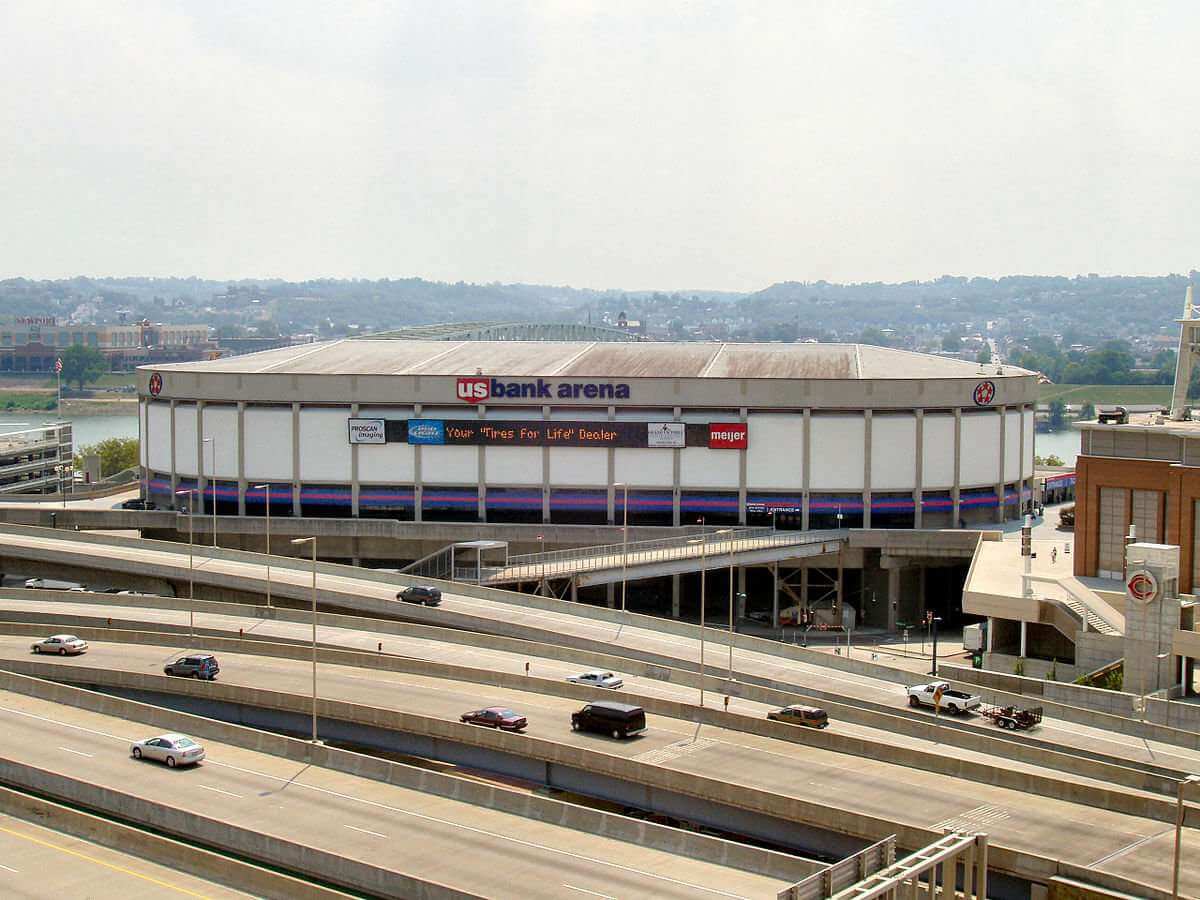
{"points": [[802, 435]]}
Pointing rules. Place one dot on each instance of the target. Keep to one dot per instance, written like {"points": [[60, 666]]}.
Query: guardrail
{"points": [[841, 875]]}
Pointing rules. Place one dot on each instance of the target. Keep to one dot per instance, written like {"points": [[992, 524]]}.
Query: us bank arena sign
{"points": [[478, 389]]}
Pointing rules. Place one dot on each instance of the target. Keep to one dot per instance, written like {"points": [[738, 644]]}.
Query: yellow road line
{"points": [[100, 862]]}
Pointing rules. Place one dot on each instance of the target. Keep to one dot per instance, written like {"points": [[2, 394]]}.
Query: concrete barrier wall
{"points": [[1070, 791], [156, 848], [647, 834], [899, 720], [269, 849]]}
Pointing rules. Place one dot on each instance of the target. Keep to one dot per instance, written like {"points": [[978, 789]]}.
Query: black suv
{"points": [[137, 503], [200, 666], [430, 596], [618, 719]]}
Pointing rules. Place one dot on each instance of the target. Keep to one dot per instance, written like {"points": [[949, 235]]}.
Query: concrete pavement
{"points": [[468, 847], [1126, 845], [37, 862], [849, 686]]}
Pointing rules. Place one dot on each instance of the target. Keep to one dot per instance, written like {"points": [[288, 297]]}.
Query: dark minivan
{"points": [[618, 719], [420, 593], [198, 666]]}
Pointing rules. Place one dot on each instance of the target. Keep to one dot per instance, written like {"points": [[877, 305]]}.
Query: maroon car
{"points": [[495, 717]]}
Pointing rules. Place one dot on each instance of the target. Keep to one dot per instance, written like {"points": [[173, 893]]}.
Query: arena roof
{"points": [[364, 356]]}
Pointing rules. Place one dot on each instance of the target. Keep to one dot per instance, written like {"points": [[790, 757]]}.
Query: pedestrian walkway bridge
{"points": [[487, 562]]}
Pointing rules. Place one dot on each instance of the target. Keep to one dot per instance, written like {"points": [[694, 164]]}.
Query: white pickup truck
{"points": [[954, 702]]}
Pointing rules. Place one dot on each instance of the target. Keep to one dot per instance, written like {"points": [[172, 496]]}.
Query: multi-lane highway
{"points": [[811, 677], [38, 862], [1125, 845], [466, 846]]}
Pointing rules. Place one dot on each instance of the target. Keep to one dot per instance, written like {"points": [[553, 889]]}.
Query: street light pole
{"points": [[731, 610], [934, 621], [703, 568], [313, 541], [267, 488], [191, 569], [1183, 784]]}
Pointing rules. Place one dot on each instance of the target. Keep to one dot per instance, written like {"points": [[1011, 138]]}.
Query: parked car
{"points": [[137, 503], [173, 749], [495, 717], [51, 584], [954, 702], [597, 678], [419, 593], [200, 665], [62, 644], [808, 716], [618, 719]]}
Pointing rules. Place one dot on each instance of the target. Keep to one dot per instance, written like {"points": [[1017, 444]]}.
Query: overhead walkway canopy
{"points": [[609, 563]]}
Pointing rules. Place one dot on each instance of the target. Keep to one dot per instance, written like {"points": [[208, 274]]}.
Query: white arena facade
{"points": [[805, 435]]}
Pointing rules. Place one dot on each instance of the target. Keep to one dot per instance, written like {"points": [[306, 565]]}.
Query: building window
{"points": [[1147, 516]]}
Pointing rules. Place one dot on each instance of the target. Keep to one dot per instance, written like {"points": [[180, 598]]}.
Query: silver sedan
{"points": [[61, 644], [173, 749]]}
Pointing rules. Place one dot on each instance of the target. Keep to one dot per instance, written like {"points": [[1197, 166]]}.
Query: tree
{"points": [[1058, 415], [985, 354], [116, 454], [873, 336], [1087, 412], [952, 342], [82, 364]]}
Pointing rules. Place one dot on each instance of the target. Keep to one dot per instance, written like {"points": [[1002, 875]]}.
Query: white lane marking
{"points": [[1129, 848], [364, 830], [78, 752], [205, 787], [572, 887], [10, 869], [404, 812]]}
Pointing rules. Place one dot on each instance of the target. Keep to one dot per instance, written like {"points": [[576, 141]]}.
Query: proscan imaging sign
{"points": [[368, 431]]}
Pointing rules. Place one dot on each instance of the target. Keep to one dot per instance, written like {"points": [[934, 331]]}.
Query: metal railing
{"points": [[844, 874], [712, 542]]}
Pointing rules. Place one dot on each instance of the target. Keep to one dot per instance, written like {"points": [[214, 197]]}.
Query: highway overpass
{"points": [[737, 758], [304, 809]]}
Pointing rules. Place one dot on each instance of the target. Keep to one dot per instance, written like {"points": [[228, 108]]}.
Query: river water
{"points": [[85, 429]]}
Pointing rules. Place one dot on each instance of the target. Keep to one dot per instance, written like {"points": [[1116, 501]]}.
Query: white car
{"points": [[597, 678], [173, 749], [62, 644]]}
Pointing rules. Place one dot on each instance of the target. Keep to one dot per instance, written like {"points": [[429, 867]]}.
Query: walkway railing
{"points": [[714, 543]]}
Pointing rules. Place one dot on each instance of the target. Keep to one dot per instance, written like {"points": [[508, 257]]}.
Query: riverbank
{"points": [[43, 402]]}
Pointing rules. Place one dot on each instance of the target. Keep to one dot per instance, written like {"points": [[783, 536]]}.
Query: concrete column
{"points": [[610, 593], [241, 456], [741, 586], [806, 462], [866, 496], [545, 474], [296, 459], [922, 601], [893, 597], [418, 483], [743, 416], [174, 472], [774, 595], [481, 474], [804, 587], [1001, 509], [674, 596], [675, 472], [1024, 636], [956, 488], [991, 634], [919, 470], [1020, 483], [611, 500], [354, 488], [202, 476]]}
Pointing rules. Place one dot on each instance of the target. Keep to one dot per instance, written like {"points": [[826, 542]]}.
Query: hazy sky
{"points": [[599, 144]]}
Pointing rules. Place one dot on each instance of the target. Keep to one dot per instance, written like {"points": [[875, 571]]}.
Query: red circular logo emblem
{"points": [[985, 392], [1142, 586], [156, 384]]}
